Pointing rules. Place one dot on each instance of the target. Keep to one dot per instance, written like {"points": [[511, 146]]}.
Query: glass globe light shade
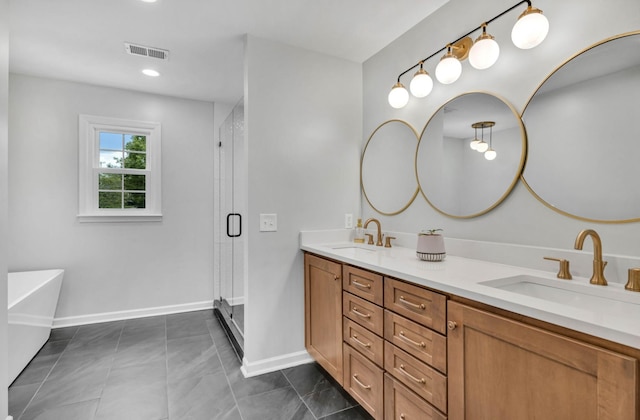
{"points": [[482, 146], [448, 69], [398, 97], [484, 52], [474, 144], [421, 84], [490, 154], [530, 29]]}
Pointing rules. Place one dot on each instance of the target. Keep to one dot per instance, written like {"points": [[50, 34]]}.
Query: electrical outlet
{"points": [[268, 222], [348, 221]]}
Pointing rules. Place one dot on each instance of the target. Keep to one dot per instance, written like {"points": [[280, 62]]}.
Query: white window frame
{"points": [[89, 169]]}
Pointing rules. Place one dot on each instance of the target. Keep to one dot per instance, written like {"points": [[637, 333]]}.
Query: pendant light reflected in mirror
{"points": [[482, 146]]}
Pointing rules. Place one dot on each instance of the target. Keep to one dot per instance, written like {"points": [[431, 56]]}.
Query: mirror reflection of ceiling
{"points": [[620, 55], [462, 113], [582, 128]]}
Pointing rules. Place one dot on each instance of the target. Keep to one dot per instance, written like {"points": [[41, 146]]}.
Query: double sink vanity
{"points": [[466, 338], [490, 332]]}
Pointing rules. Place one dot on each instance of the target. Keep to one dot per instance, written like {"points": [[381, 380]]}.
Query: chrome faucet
{"points": [[598, 264], [379, 238]]}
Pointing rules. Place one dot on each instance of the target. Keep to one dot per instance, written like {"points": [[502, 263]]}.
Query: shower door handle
{"points": [[229, 216]]}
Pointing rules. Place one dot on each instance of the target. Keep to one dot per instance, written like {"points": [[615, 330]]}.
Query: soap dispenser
{"points": [[358, 236]]}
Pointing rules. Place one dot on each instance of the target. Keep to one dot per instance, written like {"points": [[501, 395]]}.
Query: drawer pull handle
{"points": [[402, 416], [355, 378], [408, 340], [413, 378], [452, 325], [361, 285], [357, 312], [411, 304], [355, 338], [336, 277]]}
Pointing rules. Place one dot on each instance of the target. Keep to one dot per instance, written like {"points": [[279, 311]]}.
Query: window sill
{"points": [[118, 218]]}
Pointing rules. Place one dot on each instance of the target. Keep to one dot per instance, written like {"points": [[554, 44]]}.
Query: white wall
{"points": [[4, 188], [110, 267], [575, 25], [303, 129]]}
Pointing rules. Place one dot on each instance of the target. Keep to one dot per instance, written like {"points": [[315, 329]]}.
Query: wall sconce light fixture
{"points": [[529, 31]]}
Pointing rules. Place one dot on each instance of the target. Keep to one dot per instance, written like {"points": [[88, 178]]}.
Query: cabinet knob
{"points": [[452, 325], [336, 277]]}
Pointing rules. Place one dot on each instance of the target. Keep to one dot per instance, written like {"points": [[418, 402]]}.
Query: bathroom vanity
{"points": [[411, 339]]}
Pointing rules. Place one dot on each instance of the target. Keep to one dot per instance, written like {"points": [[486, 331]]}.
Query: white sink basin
{"points": [[613, 299], [355, 246], [355, 250]]}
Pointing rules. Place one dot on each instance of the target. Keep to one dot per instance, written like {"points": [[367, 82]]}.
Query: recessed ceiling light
{"points": [[149, 1], [150, 72]]}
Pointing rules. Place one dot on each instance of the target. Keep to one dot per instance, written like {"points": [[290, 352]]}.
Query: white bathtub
{"points": [[32, 298]]}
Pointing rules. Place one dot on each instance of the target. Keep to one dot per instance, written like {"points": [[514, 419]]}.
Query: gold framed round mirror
{"points": [[470, 155], [583, 153], [386, 168]]}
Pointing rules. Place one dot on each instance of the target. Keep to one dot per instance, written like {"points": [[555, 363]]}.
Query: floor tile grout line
{"points": [[47, 375], [106, 380], [224, 371], [299, 396], [166, 365], [336, 412]]}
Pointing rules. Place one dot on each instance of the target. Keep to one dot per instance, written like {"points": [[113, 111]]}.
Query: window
{"points": [[119, 170]]}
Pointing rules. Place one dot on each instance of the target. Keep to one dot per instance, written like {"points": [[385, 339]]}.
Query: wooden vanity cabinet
{"points": [[406, 352], [499, 368], [323, 313]]}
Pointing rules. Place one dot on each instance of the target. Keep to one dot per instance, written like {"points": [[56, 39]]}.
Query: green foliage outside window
{"points": [[118, 191]]}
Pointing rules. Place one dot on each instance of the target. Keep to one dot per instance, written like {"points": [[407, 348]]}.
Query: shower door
{"points": [[230, 240]]}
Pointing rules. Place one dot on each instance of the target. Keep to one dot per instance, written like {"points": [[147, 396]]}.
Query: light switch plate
{"points": [[268, 222]]}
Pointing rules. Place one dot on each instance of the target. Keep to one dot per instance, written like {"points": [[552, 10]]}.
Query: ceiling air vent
{"points": [[143, 51]]}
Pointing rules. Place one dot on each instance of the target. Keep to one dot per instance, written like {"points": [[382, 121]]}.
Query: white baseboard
{"points": [[133, 313], [273, 364], [235, 301]]}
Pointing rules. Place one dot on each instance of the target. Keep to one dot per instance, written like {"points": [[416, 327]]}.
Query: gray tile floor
{"points": [[165, 368]]}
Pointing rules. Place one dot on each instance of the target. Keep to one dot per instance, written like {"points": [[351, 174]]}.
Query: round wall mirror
{"points": [[386, 170], [458, 180], [583, 142]]}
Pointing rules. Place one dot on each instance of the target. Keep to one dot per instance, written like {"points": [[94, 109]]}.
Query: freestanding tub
{"points": [[32, 298]]}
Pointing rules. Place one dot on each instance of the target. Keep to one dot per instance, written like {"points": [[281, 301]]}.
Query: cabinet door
{"points": [[323, 313], [503, 369]]}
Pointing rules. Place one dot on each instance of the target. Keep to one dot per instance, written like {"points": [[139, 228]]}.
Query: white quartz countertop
{"points": [[461, 276]]}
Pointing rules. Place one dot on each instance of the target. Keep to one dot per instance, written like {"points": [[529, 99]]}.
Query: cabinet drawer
{"points": [[418, 304], [426, 345], [363, 312], [425, 381], [401, 403], [363, 283], [364, 381], [363, 340]]}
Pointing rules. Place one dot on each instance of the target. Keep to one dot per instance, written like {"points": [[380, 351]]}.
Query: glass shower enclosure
{"points": [[230, 205]]}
